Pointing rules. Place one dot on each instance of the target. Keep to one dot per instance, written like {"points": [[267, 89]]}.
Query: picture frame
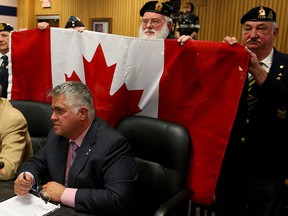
{"points": [[102, 25], [46, 3]]}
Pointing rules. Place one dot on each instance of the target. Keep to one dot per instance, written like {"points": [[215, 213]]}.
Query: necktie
{"points": [[4, 75], [74, 148], [252, 100], [4, 61]]}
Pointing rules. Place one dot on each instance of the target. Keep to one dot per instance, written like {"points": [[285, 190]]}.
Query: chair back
{"points": [[162, 154], [38, 116]]}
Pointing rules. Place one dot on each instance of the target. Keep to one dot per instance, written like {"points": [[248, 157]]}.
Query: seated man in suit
{"points": [[15, 142], [97, 178]]}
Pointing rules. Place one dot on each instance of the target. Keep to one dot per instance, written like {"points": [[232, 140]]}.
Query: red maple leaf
{"points": [[73, 77], [99, 78]]}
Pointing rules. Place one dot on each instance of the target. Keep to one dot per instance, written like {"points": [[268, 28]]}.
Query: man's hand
{"points": [[183, 39], [256, 70], [43, 25], [23, 184], [230, 40], [81, 29], [54, 190]]}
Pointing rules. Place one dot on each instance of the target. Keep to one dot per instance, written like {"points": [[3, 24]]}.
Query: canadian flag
{"points": [[197, 85]]}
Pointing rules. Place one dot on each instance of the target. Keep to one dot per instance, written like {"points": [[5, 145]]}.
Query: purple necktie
{"points": [[74, 148]]}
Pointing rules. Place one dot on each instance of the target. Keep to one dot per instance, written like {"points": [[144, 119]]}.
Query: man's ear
{"points": [[83, 112], [275, 32], [169, 25]]}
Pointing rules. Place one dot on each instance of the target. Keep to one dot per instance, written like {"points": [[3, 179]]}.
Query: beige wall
{"points": [[218, 17]]}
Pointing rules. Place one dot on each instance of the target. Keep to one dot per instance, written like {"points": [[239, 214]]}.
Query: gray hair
{"points": [[77, 95], [168, 19], [274, 26]]}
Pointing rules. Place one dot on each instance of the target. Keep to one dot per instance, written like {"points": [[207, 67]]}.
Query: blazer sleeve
{"points": [[15, 144]]}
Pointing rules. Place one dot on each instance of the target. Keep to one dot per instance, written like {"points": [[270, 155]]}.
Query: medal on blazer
{"points": [[281, 113]]}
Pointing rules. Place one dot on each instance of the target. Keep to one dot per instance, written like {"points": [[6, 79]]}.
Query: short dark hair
{"points": [[191, 5]]}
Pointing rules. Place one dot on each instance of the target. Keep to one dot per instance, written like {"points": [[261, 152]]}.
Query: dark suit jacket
{"points": [[258, 144], [103, 170]]}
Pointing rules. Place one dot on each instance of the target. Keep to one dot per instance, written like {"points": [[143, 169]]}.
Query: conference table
{"points": [[7, 191]]}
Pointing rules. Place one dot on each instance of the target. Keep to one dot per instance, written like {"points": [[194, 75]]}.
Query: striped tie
{"points": [[4, 76], [252, 100], [4, 61]]}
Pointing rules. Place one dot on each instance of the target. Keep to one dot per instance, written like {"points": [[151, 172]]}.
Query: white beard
{"points": [[162, 34]]}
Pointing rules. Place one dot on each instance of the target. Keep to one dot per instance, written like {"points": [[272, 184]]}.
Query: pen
{"points": [[24, 175]]}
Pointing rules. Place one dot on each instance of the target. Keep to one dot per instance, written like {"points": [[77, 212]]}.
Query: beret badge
{"points": [[261, 13], [158, 6], [270, 15]]}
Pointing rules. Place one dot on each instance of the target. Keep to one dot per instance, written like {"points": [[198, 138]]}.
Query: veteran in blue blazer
{"points": [[254, 168]]}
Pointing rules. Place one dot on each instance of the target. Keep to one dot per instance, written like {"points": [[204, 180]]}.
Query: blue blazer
{"points": [[103, 171], [258, 144]]}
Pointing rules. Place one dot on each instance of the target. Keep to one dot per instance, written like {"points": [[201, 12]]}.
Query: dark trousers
{"points": [[239, 195]]}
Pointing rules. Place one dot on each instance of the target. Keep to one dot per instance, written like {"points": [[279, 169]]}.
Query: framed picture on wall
{"points": [[46, 3], [102, 25]]}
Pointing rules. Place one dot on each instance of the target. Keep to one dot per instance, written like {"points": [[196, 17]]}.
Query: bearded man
{"points": [[156, 22]]}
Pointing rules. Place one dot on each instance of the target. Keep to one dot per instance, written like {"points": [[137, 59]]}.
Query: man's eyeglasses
{"points": [[40, 192], [37, 189], [154, 22]]}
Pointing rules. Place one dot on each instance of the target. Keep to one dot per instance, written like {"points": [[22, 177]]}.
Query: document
{"points": [[29, 205]]}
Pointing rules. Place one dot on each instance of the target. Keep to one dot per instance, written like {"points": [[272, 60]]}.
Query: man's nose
{"points": [[149, 24], [53, 116], [254, 33]]}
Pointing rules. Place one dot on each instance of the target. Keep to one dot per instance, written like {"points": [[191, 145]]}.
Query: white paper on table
{"points": [[28, 205]]}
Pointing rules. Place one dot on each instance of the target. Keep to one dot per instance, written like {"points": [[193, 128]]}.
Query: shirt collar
{"points": [[80, 139], [7, 54], [268, 60]]}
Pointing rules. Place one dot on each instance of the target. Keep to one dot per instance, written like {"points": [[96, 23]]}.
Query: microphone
{"points": [[1, 165]]}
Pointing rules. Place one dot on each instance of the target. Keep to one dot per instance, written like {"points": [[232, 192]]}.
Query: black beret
{"points": [[6, 27], [259, 13], [74, 22], [164, 7]]}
